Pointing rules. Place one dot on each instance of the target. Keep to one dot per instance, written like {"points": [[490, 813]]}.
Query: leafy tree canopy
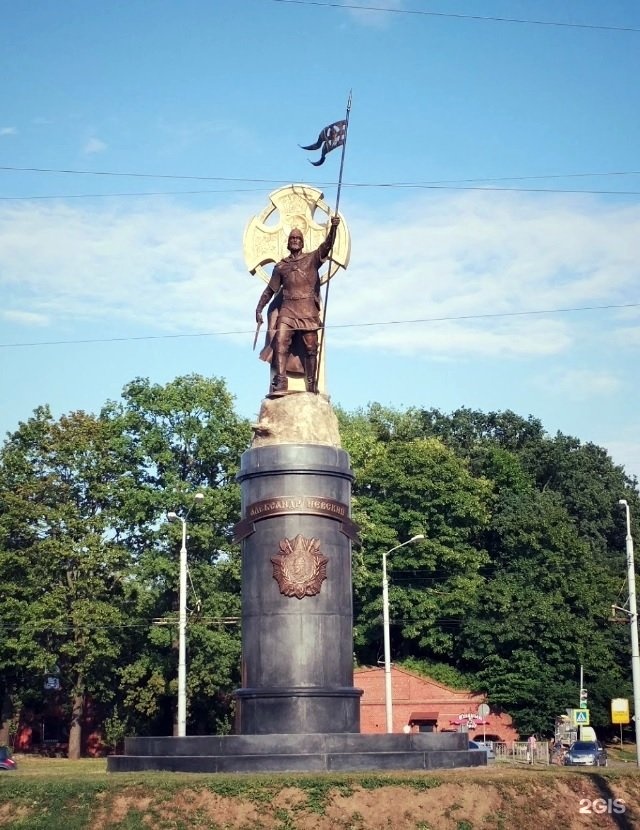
{"points": [[509, 592]]}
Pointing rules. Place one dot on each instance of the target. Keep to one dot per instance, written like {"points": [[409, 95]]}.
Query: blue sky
{"points": [[492, 168]]}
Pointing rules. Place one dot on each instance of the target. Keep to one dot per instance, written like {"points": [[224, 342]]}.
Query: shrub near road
{"points": [[58, 794]]}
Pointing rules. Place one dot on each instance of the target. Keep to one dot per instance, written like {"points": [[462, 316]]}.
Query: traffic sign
{"points": [[580, 717], [619, 710]]}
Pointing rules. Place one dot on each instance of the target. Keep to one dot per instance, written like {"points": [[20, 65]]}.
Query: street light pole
{"points": [[633, 621], [388, 699], [182, 620]]}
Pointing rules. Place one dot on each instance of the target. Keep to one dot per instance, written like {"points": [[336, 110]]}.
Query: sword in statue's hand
{"points": [[255, 339]]}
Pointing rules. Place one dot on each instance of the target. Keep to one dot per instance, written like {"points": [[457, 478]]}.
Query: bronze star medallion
{"points": [[300, 569]]}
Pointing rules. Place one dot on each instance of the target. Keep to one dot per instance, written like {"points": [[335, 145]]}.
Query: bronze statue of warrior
{"points": [[297, 278]]}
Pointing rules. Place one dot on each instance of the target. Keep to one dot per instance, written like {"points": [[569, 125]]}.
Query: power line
{"points": [[418, 186], [443, 184], [453, 15], [138, 175], [404, 186], [134, 175], [338, 326], [34, 198]]}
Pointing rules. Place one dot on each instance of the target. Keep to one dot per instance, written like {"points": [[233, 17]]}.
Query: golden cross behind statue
{"points": [[265, 241]]}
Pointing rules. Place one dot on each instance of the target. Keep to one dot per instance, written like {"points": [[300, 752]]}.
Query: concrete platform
{"points": [[338, 752]]}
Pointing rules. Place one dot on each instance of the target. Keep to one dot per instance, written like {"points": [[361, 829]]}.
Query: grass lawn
{"points": [[58, 794]]}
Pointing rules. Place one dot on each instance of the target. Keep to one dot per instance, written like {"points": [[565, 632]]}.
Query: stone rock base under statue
{"points": [[298, 753], [298, 418]]}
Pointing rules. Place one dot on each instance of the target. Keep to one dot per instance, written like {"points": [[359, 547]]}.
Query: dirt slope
{"points": [[488, 799]]}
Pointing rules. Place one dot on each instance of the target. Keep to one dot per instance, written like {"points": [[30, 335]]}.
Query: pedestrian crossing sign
{"points": [[580, 717]]}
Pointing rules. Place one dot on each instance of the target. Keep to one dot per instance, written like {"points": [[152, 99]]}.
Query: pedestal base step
{"points": [[297, 753]]}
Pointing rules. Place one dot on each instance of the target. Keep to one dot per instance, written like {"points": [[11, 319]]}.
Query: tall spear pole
{"points": [[326, 292]]}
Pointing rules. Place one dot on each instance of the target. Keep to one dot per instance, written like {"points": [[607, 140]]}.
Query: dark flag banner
{"points": [[331, 137]]}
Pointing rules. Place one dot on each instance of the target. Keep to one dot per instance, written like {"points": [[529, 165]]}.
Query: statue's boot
{"points": [[280, 382], [279, 386], [311, 371]]}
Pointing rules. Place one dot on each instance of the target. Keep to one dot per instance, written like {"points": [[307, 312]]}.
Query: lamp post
{"points": [[182, 620], [388, 701], [633, 621]]}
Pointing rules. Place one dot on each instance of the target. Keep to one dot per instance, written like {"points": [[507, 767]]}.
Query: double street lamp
{"points": [[388, 700], [182, 619], [633, 621]]}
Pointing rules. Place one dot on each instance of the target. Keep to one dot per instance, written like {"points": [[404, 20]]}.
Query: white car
{"points": [[483, 746]]}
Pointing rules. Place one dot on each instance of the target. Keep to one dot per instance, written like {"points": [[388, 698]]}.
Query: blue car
{"points": [[586, 754]]}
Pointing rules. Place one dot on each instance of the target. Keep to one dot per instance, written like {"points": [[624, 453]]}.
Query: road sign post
{"points": [[483, 712]]}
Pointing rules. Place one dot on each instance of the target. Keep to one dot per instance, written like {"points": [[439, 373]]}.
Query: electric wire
{"points": [[448, 318], [148, 193], [460, 16], [468, 184], [183, 177]]}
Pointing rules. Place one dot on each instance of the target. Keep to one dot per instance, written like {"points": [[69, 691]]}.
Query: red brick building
{"points": [[423, 704]]}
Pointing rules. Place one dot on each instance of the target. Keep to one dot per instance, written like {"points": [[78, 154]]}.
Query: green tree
{"points": [[63, 570], [509, 592], [540, 564], [186, 437], [543, 613], [404, 488]]}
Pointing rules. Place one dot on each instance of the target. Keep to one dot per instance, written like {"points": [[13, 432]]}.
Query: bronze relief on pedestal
{"points": [[300, 568]]}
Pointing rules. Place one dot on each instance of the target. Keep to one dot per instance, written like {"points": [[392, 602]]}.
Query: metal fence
{"points": [[517, 752]]}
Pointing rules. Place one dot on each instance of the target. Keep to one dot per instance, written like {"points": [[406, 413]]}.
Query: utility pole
{"points": [[388, 692], [172, 516], [581, 684], [633, 622]]}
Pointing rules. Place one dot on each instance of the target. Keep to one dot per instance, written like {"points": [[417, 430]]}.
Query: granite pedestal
{"points": [[297, 643], [298, 753], [297, 709]]}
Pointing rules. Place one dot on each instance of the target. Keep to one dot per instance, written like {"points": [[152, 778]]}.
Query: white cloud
{"points": [[476, 254], [158, 265], [26, 318], [8, 131], [454, 339], [447, 256], [580, 384], [93, 146], [628, 336]]}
